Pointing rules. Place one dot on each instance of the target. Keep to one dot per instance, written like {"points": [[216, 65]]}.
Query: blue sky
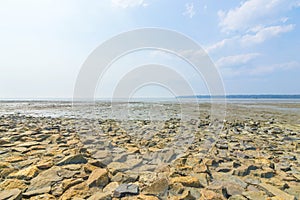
{"points": [[255, 44]]}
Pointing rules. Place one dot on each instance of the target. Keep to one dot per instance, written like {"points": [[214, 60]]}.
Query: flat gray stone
{"points": [[45, 179], [124, 189]]}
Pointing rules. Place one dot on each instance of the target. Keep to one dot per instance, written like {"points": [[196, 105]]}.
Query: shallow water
{"points": [[140, 110]]}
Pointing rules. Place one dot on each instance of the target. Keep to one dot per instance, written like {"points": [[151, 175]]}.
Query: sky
{"points": [[254, 44]]}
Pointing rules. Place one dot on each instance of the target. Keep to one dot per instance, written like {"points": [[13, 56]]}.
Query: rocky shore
{"points": [[254, 155]]}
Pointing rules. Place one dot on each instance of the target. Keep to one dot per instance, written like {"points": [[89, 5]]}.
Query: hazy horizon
{"points": [[199, 97]]}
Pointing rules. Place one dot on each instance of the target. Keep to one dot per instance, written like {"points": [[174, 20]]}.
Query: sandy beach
{"points": [[51, 150]]}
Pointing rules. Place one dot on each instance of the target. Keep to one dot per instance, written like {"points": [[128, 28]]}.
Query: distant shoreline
{"points": [[263, 97], [246, 96]]}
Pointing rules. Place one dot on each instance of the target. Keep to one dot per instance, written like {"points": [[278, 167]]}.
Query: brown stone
{"points": [[72, 159], [201, 168], [37, 192], [88, 168], [72, 167], [210, 195], [12, 184], [133, 150], [159, 187], [110, 188], [294, 190], [28, 144], [45, 164], [43, 197], [244, 170], [277, 192], [146, 197], [80, 190], [237, 197], [141, 197], [45, 178], [13, 194], [234, 189], [67, 183], [6, 171], [98, 178], [187, 181], [176, 189], [27, 173], [115, 167], [14, 159], [100, 196], [5, 165], [186, 195], [255, 195]]}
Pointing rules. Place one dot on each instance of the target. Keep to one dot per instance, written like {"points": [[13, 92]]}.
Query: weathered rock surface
{"points": [[98, 178], [26, 174], [125, 189], [254, 156], [277, 192], [188, 181], [12, 194], [72, 159]]}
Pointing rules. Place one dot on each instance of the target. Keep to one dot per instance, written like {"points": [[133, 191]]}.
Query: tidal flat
{"points": [[150, 150]]}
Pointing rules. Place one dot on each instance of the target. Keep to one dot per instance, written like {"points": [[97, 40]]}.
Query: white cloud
{"points": [[262, 70], [296, 4], [265, 33], [259, 70], [217, 45], [284, 19], [256, 35], [220, 44], [253, 22], [251, 13], [189, 10], [128, 3], [187, 54], [193, 54], [236, 59]]}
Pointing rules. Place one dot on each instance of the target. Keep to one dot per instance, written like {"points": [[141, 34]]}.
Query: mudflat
{"points": [[166, 150]]}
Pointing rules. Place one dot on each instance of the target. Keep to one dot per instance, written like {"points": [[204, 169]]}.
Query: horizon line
{"points": [[198, 96]]}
